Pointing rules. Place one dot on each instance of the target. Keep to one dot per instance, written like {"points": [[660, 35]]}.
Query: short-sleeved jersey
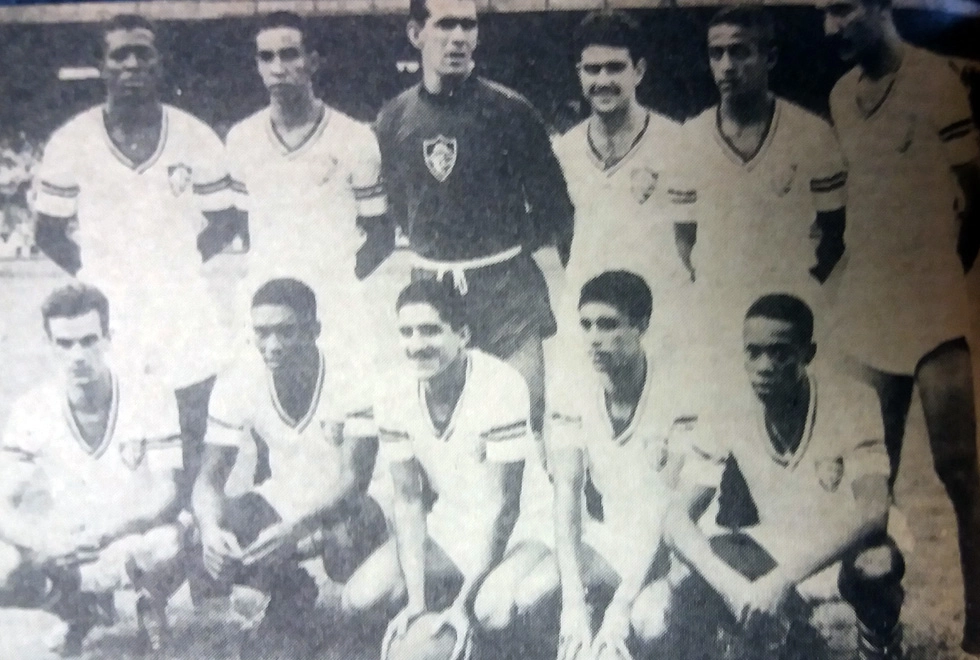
{"points": [[902, 227], [303, 202], [52, 472], [490, 425], [798, 493], [638, 464], [625, 214], [293, 455], [134, 218], [754, 215], [472, 173]]}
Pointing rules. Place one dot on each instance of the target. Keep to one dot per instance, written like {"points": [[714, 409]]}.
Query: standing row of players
{"points": [[712, 215]]}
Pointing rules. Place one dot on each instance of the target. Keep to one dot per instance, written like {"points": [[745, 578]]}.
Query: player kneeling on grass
{"points": [[455, 427], [89, 468], [808, 445], [298, 407], [609, 433]]}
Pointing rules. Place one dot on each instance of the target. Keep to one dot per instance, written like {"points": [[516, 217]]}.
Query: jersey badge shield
{"points": [[782, 180], [643, 181], [440, 156], [179, 176], [907, 136], [132, 453], [830, 472]]}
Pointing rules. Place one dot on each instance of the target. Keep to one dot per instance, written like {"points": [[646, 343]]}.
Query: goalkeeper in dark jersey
{"points": [[473, 182]]}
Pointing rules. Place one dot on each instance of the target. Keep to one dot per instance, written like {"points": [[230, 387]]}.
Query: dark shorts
{"points": [[507, 304]]}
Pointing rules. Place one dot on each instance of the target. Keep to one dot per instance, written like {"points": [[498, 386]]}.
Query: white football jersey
{"points": [[135, 220], [810, 488], [489, 425], [53, 473], [625, 214], [754, 215], [292, 456], [637, 465], [303, 202], [902, 275]]}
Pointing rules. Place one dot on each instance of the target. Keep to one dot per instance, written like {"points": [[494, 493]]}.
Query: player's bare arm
{"points": [[968, 177], [51, 237], [221, 547]]}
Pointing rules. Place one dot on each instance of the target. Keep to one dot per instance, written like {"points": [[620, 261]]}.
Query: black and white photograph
{"points": [[489, 329]]}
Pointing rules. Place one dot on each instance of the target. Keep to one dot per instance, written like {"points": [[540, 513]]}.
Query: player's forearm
{"points": [[411, 533], [568, 542], [19, 532], [692, 547], [51, 238], [207, 502], [501, 525], [634, 576]]}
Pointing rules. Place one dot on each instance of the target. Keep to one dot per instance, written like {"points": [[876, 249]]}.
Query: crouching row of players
{"points": [[616, 555]]}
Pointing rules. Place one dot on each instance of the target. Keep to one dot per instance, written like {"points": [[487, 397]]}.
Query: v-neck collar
{"points": [[139, 168], [310, 138], [451, 424], [793, 459], [594, 154], [733, 154], [641, 403], [299, 424], [110, 427]]}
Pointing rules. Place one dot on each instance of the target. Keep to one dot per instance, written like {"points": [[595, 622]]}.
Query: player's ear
{"points": [[811, 351], [771, 57], [466, 334], [413, 30], [315, 329], [641, 68]]}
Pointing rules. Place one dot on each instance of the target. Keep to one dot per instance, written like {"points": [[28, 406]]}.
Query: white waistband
{"points": [[458, 268]]}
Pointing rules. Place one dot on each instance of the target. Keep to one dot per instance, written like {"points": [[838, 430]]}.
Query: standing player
{"points": [[316, 449], [765, 171], [455, 429], [809, 447], [473, 183], [911, 146], [122, 188], [621, 165], [90, 467], [308, 175]]}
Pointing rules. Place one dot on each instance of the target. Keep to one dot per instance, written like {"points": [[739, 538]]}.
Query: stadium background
{"points": [[366, 60]]}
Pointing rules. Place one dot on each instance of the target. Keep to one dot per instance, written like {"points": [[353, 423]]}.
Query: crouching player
{"points": [[299, 409], [455, 428], [808, 445], [90, 466]]}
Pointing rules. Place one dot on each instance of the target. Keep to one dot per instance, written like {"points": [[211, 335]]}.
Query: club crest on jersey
{"points": [[132, 453], [179, 176], [330, 165], [908, 135], [440, 156], [643, 181], [782, 181], [830, 472]]}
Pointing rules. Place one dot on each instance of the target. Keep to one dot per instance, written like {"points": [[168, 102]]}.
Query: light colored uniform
{"points": [[634, 471], [137, 230], [625, 215], [283, 459], [489, 425], [902, 291], [754, 215], [54, 476], [303, 204], [796, 495]]}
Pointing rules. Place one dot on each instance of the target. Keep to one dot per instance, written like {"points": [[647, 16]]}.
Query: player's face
{"points": [[131, 65], [611, 340], [282, 59], [739, 62], [430, 343], [850, 25], [282, 336], [609, 77], [775, 358], [448, 37], [79, 346]]}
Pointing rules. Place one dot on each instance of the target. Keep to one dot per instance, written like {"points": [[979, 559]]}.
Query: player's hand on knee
{"points": [[221, 551], [273, 545], [766, 597], [457, 618], [399, 626], [575, 636], [611, 639]]}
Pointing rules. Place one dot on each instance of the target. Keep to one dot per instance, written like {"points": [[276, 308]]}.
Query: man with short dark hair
{"points": [[905, 124], [473, 183], [90, 467], [300, 410], [807, 444]]}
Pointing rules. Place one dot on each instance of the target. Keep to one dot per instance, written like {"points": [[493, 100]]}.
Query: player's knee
{"points": [[536, 590], [365, 593], [494, 609], [649, 614], [161, 545], [958, 471]]}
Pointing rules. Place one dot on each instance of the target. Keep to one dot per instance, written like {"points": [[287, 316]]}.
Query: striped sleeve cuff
{"points": [[959, 141], [394, 445], [57, 201], [215, 195], [506, 443], [371, 201], [829, 193]]}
